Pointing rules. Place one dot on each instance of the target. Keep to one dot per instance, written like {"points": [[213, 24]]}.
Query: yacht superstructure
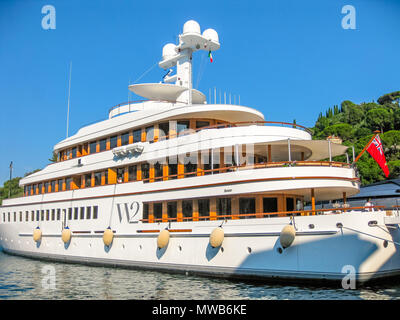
{"points": [[175, 183]]}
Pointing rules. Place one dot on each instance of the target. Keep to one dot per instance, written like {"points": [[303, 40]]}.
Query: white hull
{"points": [[249, 250]]}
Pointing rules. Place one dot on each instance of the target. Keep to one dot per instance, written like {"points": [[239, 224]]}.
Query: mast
{"points": [[191, 40]]}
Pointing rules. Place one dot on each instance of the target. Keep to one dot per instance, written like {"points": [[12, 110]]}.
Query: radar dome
{"points": [[168, 51], [191, 26], [211, 34]]}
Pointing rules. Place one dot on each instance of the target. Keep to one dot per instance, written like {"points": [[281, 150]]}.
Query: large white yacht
{"points": [[182, 184]]}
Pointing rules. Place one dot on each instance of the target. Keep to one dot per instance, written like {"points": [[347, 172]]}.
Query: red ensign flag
{"points": [[375, 149]]}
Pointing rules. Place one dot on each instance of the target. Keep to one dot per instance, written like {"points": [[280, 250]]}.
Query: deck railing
{"points": [[202, 172], [264, 214]]}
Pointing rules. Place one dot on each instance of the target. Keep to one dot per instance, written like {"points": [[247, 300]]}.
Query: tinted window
{"points": [[137, 135], [270, 204], [204, 207], [92, 147], [113, 142], [125, 138], [247, 205], [157, 210], [103, 144]]}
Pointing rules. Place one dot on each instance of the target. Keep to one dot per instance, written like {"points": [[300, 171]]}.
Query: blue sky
{"points": [[289, 59]]}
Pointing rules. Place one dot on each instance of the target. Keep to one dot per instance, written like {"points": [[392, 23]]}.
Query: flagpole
{"points": [[365, 148], [9, 187]]}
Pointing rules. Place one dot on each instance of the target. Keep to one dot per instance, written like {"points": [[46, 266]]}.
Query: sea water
{"points": [[28, 279]]}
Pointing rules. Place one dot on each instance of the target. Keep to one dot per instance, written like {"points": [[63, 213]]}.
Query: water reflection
{"points": [[21, 278]]}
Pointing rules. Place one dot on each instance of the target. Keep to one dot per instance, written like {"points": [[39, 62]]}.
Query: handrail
{"points": [[254, 166], [262, 214]]}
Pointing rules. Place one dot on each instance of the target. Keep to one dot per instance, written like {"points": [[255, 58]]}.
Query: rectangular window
{"points": [[224, 206], [47, 215], [204, 207], [42, 215], [172, 209], [145, 211], [4, 217], [95, 212], [82, 213], [137, 135], [58, 214], [150, 133], [125, 139], [120, 175], [157, 210], [37, 215], [69, 214], [68, 182], [76, 211], [132, 173], [92, 147], [103, 144], [74, 152], [247, 205], [32, 215], [88, 180], [113, 142], [182, 126], [53, 214], [40, 187], [88, 213], [206, 161], [289, 204], [47, 187], [9, 218], [97, 178], [145, 170], [202, 124], [15, 217], [270, 205], [163, 130], [190, 169], [27, 216], [172, 170], [53, 185], [158, 171], [60, 185], [187, 208]]}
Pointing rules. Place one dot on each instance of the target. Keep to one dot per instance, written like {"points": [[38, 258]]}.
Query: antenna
{"points": [[69, 93]]}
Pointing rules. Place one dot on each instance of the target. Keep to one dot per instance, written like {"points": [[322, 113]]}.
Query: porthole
{"points": [[180, 248], [311, 226], [140, 247], [248, 249], [280, 250], [385, 243], [222, 249]]}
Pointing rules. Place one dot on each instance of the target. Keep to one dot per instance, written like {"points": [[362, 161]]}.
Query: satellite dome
{"points": [[191, 26], [168, 51], [211, 34]]}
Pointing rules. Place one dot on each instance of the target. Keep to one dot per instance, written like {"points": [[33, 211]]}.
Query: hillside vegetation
{"points": [[355, 125]]}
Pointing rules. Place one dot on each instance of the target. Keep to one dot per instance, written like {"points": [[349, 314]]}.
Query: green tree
{"points": [[379, 118], [389, 98]]}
